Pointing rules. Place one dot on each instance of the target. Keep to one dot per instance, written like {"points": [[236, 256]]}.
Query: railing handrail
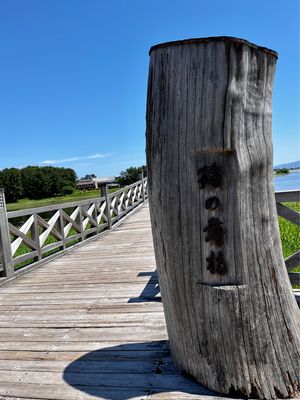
{"points": [[54, 207], [287, 196], [117, 192], [294, 217], [27, 211]]}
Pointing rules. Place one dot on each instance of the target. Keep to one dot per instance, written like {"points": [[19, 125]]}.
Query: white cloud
{"points": [[64, 160], [97, 156], [70, 159]]}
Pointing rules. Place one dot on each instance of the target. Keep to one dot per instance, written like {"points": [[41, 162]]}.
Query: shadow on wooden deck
{"points": [[150, 291], [134, 370]]}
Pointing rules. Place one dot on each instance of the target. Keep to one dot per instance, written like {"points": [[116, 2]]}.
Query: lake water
{"points": [[289, 181]]}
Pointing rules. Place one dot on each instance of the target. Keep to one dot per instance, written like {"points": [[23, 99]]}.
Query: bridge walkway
{"points": [[90, 325]]}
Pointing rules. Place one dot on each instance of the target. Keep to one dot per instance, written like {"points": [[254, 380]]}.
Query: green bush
{"points": [[67, 190], [11, 181]]}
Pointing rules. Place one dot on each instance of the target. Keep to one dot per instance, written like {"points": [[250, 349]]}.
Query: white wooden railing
{"points": [[36, 235], [47, 232], [293, 217]]}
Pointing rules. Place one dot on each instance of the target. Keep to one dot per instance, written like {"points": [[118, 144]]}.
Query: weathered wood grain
{"points": [[209, 101]]}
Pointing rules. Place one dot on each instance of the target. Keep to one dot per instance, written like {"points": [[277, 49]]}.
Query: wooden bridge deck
{"points": [[90, 325]]}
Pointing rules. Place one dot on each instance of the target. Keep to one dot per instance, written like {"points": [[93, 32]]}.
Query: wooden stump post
{"points": [[232, 319]]}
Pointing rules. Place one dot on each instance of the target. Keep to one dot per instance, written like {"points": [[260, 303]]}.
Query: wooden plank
{"points": [[24, 229], [93, 308], [115, 380], [288, 214], [297, 295], [96, 355], [54, 392], [116, 333], [89, 216], [24, 257], [293, 261], [17, 233], [52, 246], [287, 196], [295, 278], [104, 348], [87, 365], [6, 260], [35, 235], [71, 220], [49, 227]]}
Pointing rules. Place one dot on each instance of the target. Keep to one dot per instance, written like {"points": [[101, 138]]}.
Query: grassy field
{"points": [[290, 234], [77, 195]]}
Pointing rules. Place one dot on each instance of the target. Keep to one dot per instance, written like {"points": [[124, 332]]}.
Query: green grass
{"points": [[290, 234], [76, 196], [23, 249]]}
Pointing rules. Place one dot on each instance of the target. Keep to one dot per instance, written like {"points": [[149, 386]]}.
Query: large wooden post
{"points": [[232, 319]]}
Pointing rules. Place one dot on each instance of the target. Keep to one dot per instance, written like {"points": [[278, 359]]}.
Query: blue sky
{"points": [[73, 74]]}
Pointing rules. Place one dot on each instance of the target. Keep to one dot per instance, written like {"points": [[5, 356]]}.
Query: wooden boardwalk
{"points": [[90, 325]]}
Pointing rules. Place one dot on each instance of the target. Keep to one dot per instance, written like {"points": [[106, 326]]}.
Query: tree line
{"points": [[131, 175], [36, 182]]}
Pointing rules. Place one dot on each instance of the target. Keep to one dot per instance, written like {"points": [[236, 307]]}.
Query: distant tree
{"points": [[67, 190], [67, 179], [131, 175], [35, 182], [41, 182], [89, 176], [10, 180], [282, 171]]}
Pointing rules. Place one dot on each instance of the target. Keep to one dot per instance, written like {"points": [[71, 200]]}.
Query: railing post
{"points": [[5, 245], [94, 214], [35, 236], [80, 222], [141, 177], [107, 208], [61, 228]]}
